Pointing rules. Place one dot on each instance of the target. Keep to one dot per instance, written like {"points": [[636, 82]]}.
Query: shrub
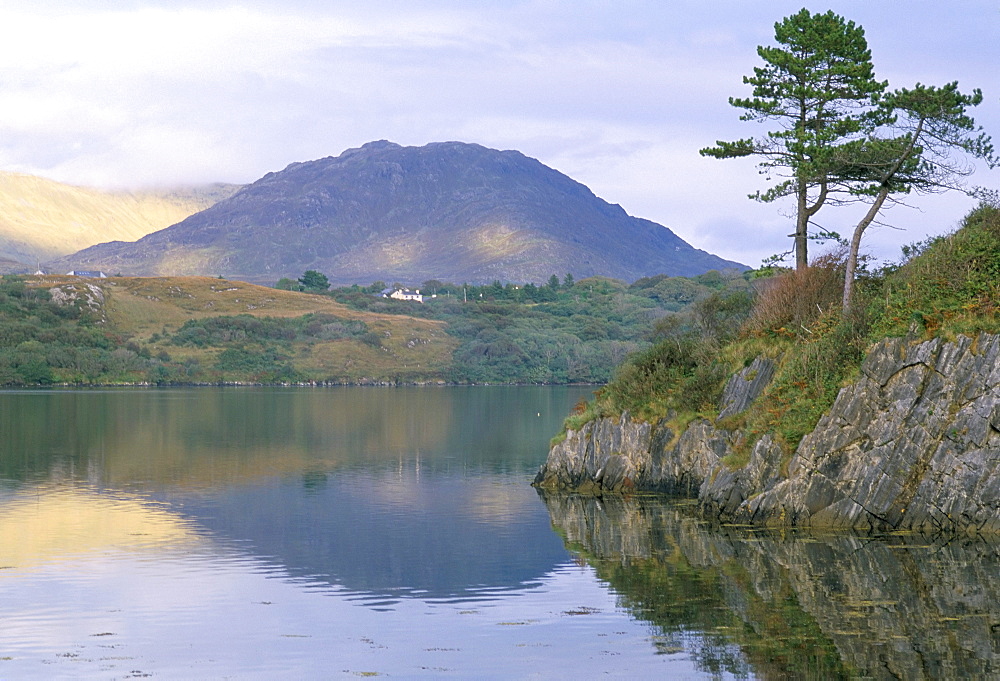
{"points": [[791, 301]]}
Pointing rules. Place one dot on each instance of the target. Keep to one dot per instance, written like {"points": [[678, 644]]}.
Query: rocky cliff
{"points": [[914, 443]]}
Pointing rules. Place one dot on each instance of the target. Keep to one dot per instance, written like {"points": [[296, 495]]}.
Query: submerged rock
{"points": [[914, 443]]}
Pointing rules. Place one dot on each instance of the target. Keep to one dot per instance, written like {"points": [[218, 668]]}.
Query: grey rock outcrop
{"points": [[614, 455], [746, 386], [914, 443], [87, 297]]}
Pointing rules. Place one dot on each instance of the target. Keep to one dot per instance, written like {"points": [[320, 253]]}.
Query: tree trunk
{"points": [[852, 253], [802, 228]]}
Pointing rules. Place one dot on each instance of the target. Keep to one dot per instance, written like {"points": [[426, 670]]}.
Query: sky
{"points": [[618, 95]]}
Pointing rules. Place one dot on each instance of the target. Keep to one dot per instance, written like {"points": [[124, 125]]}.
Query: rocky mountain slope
{"points": [[449, 211], [41, 219]]}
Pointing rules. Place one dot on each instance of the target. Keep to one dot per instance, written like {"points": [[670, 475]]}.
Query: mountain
{"points": [[42, 219], [450, 211]]}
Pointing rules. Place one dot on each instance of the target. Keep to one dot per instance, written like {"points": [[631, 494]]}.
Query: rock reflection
{"points": [[795, 605]]}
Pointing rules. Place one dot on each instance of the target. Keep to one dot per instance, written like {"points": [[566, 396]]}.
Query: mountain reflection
{"points": [[389, 492], [390, 536], [798, 606]]}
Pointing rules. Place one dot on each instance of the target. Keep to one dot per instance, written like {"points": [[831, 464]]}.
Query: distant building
{"points": [[92, 274], [402, 294]]}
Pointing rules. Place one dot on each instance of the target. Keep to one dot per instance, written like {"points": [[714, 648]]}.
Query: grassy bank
{"points": [[949, 285]]}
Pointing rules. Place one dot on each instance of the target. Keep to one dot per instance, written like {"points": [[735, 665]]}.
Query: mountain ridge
{"points": [[447, 210], [41, 219]]}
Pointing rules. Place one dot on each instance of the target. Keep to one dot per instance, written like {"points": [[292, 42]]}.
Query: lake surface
{"points": [[392, 532]]}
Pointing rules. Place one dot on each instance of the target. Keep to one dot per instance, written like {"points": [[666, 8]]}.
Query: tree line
{"points": [[563, 331]]}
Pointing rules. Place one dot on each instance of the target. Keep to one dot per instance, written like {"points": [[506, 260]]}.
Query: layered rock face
{"points": [[914, 443]]}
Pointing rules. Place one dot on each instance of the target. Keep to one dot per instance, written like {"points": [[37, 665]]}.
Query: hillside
{"points": [[58, 329], [448, 211], [61, 329], [42, 219]]}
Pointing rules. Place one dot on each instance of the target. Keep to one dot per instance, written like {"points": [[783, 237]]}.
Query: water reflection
{"points": [[389, 492], [62, 522], [296, 534], [389, 535], [795, 606], [318, 533], [211, 437]]}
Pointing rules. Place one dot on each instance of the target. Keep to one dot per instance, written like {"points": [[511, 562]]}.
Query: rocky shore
{"points": [[914, 443]]}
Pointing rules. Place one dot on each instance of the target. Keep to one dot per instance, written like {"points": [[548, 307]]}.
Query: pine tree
{"points": [[818, 86], [924, 145]]}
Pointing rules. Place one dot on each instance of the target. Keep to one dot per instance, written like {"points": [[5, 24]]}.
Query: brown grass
{"points": [[411, 349], [791, 301]]}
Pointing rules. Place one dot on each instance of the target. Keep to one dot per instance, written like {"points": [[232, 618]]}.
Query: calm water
{"points": [[363, 532]]}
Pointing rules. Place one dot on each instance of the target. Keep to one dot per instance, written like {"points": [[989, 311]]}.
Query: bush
{"points": [[792, 300], [268, 366]]}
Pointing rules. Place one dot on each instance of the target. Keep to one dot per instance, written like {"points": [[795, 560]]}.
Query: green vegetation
{"points": [[57, 330], [260, 348], [814, 88], [925, 139], [560, 332], [838, 136], [202, 330], [42, 342], [310, 282], [950, 285], [221, 331]]}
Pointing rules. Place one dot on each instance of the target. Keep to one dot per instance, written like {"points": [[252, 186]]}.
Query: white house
{"points": [[402, 294]]}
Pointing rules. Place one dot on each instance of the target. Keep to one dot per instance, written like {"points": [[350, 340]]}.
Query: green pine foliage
{"points": [[813, 90], [314, 282]]}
